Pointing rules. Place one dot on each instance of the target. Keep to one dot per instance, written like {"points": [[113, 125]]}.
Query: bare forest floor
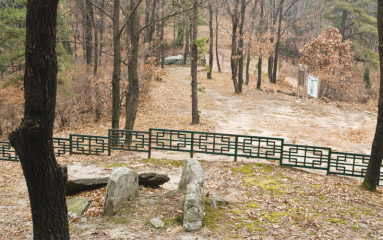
{"points": [[266, 201]]}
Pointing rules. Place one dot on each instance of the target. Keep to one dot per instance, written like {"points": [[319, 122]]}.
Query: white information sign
{"points": [[312, 86]]}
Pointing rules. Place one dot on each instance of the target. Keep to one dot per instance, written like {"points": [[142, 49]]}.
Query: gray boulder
{"points": [[192, 184], [77, 206], [192, 171], [157, 223], [153, 180], [78, 185], [122, 187]]}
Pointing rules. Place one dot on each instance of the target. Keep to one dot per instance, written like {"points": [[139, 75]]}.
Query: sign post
{"points": [[302, 72], [312, 86]]}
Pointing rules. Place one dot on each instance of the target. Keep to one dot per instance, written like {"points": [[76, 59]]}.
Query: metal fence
{"points": [[192, 142]]}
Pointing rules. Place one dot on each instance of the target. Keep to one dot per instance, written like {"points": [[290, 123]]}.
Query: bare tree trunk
{"points": [[153, 18], [187, 44], [240, 46], [33, 139], [343, 24], [271, 56], [249, 45], [234, 53], [259, 82], [216, 38], [88, 53], [275, 69], [148, 5], [102, 25], [211, 53], [373, 170], [133, 88], [96, 43], [194, 83], [116, 66], [260, 32], [162, 30]]}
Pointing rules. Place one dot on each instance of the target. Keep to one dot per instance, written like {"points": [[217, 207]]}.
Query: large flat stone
{"points": [[152, 179], [122, 187], [82, 184], [77, 206]]}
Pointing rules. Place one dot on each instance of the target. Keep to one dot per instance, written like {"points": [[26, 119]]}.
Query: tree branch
{"points": [[127, 19], [102, 10], [171, 15]]}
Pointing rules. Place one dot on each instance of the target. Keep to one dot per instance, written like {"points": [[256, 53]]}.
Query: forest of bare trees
{"points": [[103, 55]]}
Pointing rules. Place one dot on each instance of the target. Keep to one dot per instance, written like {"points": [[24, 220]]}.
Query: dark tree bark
{"points": [[88, 32], [273, 21], [216, 38], [270, 65], [371, 179], [249, 45], [88, 52], [96, 43], [33, 139], [101, 30], [148, 4], [133, 88], [162, 31], [259, 82], [194, 56], [234, 54], [241, 45], [276, 51], [343, 24], [237, 14], [116, 66], [187, 44], [153, 18], [248, 63], [211, 31], [260, 32]]}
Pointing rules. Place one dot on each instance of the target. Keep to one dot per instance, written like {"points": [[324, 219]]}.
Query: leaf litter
{"points": [[266, 201]]}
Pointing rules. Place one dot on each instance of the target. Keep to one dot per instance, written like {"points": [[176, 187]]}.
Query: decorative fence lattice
{"points": [[305, 156], [7, 152], [88, 145], [61, 146], [312, 157]]}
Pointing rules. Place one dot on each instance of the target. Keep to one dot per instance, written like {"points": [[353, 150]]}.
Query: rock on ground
{"points": [[152, 179], [192, 172], [157, 223], [82, 184], [122, 187], [77, 206], [192, 184]]}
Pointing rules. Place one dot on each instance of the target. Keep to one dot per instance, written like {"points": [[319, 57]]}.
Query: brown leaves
{"points": [[328, 57]]}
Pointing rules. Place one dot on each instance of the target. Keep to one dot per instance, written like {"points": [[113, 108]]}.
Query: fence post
{"points": [[70, 144], [236, 149], [191, 144], [282, 149], [329, 161], [150, 144]]}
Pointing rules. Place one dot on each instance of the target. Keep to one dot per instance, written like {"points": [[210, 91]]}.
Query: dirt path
{"points": [[265, 200], [266, 113]]}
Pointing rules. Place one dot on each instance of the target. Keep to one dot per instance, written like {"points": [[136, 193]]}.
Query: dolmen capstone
{"points": [[83, 184], [152, 180], [192, 185], [122, 187]]}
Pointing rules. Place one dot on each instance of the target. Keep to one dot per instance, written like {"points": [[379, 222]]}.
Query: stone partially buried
{"points": [[122, 187], [77, 206]]}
